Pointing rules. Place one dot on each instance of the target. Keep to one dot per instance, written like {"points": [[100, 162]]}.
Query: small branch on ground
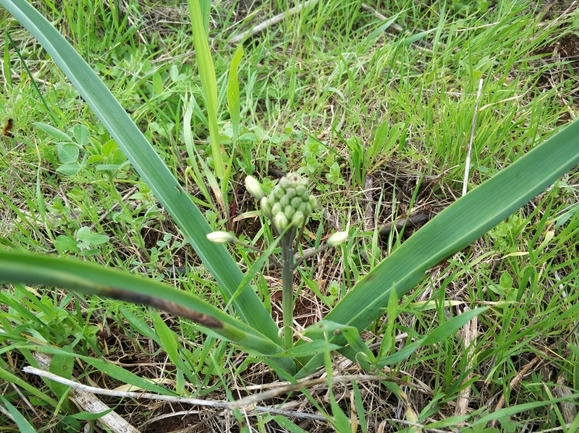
{"points": [[268, 23], [85, 399]]}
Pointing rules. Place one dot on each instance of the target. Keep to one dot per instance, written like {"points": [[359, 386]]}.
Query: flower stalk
{"points": [[287, 294], [287, 207]]}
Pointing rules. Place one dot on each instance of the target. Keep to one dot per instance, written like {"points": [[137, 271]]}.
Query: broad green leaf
{"points": [[69, 169], [363, 354], [341, 422], [86, 235], [309, 349], [8, 377], [68, 153], [382, 28], [140, 325], [62, 366], [148, 164], [157, 83], [451, 326], [454, 228], [88, 416], [380, 137], [360, 407], [167, 337], [509, 411], [81, 135], [105, 367], [441, 333]]}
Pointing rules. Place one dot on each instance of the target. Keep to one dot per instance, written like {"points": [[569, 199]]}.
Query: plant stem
{"points": [[287, 257]]}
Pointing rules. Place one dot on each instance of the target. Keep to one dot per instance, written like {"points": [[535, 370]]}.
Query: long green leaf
{"points": [[148, 164], [453, 229], [85, 277]]}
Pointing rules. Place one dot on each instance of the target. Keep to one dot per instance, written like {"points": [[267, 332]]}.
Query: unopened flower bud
{"points": [[298, 218], [289, 211], [276, 208], [266, 207], [253, 187], [296, 202], [337, 238], [220, 237], [280, 221]]}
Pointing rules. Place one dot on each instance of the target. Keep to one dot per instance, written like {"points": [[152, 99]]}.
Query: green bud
{"points": [[296, 202], [290, 198], [280, 221], [298, 218], [265, 207], [220, 237], [276, 209], [289, 211], [253, 187]]}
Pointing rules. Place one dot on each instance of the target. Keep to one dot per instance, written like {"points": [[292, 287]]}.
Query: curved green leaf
{"points": [[85, 277]]}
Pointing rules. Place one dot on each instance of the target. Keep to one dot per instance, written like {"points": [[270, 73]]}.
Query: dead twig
{"points": [[268, 23], [86, 400]]}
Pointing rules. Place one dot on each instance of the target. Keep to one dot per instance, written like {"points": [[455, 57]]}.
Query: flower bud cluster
{"points": [[290, 202]]}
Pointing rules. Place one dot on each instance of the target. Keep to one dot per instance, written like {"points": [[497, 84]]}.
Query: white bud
{"points": [[220, 237], [253, 187], [337, 238]]}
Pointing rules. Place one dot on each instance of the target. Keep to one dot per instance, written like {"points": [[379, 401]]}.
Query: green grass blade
{"points": [[207, 72], [8, 377], [23, 425], [233, 101], [457, 226], [148, 164]]}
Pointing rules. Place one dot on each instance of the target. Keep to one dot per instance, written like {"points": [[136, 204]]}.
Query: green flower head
{"points": [[290, 202]]}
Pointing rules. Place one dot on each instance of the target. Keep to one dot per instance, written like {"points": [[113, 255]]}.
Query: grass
{"points": [[314, 89]]}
